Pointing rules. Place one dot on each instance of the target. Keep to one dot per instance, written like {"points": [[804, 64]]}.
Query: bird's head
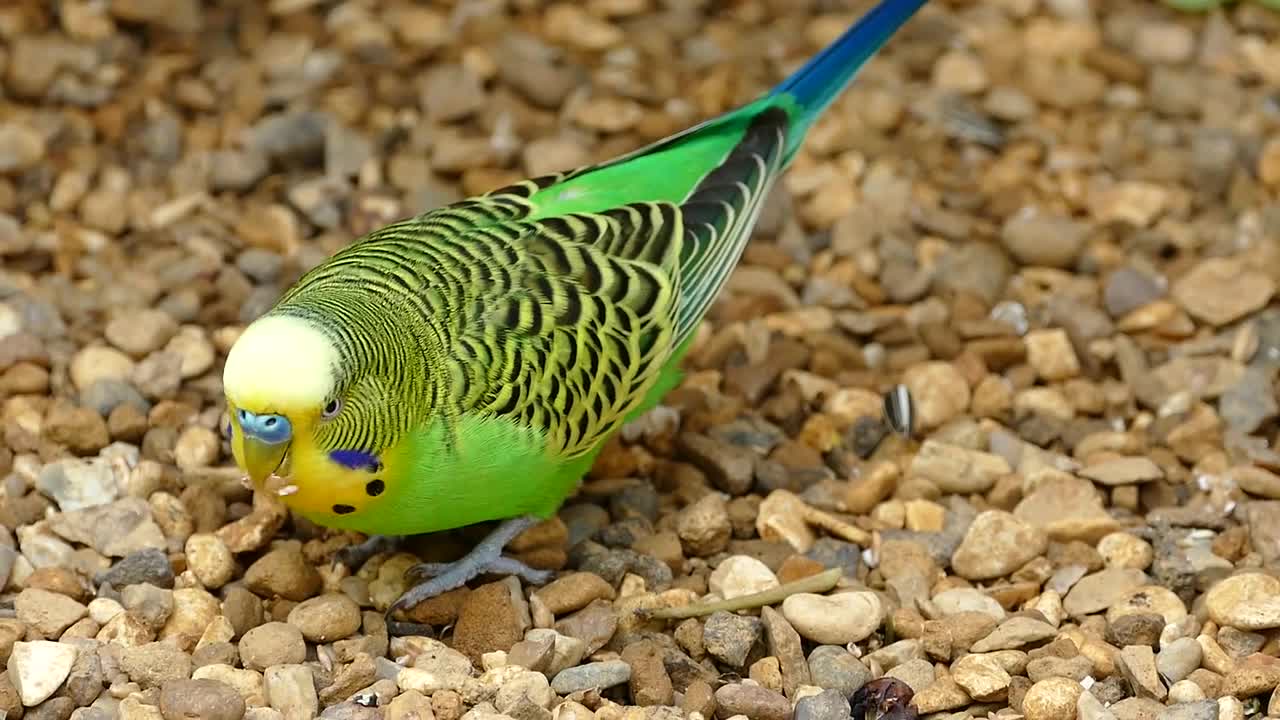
{"points": [[282, 380]]}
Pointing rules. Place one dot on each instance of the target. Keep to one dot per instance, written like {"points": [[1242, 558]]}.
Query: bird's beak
{"points": [[262, 442], [262, 459]]}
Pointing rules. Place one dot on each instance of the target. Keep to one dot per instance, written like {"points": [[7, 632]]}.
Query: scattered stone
{"points": [[37, 669], [729, 637], [596, 675], [834, 619], [996, 544]]}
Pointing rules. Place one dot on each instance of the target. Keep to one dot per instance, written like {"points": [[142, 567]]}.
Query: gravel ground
{"points": [[1058, 227]]}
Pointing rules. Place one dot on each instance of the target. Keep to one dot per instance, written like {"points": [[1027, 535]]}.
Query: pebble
{"points": [[826, 705], [1222, 290], [964, 600], [957, 469], [596, 675], [650, 683], [153, 664], [939, 391], [273, 643], [141, 332], [996, 544], [834, 619], [594, 625], [1052, 699], [1123, 471], [1138, 663], [1051, 354], [210, 560], [98, 363], [37, 669], [1178, 659], [1125, 550], [739, 575], [784, 644], [729, 637], [148, 603], [326, 618], [283, 572], [291, 690], [1036, 237], [1067, 508], [47, 613], [752, 701], [1101, 590], [77, 484], [1248, 601], [836, 668], [205, 699], [1014, 633], [21, 147], [574, 592], [492, 617], [703, 527]]}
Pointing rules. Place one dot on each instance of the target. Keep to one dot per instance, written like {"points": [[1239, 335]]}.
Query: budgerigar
{"points": [[467, 364]]}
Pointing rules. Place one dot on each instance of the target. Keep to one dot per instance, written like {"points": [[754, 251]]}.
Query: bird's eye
{"points": [[332, 409]]}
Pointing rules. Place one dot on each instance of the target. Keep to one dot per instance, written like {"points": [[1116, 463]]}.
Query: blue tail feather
{"points": [[820, 80]]}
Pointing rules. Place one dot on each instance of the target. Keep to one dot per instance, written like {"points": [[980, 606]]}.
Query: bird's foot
{"points": [[355, 556], [486, 557]]}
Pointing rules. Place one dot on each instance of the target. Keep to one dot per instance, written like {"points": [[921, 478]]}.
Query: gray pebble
{"points": [[1200, 710], [826, 705], [290, 135], [106, 395], [834, 553], [1179, 659], [729, 637], [262, 266], [1128, 289], [835, 668], [149, 565], [597, 675], [349, 710], [236, 170]]}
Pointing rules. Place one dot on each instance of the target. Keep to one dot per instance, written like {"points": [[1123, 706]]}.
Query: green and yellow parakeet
{"points": [[468, 364]]}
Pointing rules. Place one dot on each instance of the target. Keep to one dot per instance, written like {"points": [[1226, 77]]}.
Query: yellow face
{"points": [[279, 383], [281, 386]]}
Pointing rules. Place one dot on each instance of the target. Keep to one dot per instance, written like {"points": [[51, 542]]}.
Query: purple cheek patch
{"points": [[356, 460]]}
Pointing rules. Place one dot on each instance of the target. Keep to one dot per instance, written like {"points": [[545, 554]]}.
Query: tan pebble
{"points": [[739, 575], [981, 676], [273, 643], [1148, 599], [1221, 290], [1230, 708], [996, 544], [1138, 663], [326, 618], [1067, 508], [1052, 699], [939, 391], [574, 592], [210, 560], [38, 668], [834, 619], [1123, 471], [956, 469], [291, 690], [1122, 549], [1248, 601], [960, 71], [1051, 354]]}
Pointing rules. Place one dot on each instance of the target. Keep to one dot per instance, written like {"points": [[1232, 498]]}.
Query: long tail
{"points": [[815, 85]]}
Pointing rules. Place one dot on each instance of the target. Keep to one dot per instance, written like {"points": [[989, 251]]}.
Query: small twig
{"points": [[836, 526], [819, 583]]}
